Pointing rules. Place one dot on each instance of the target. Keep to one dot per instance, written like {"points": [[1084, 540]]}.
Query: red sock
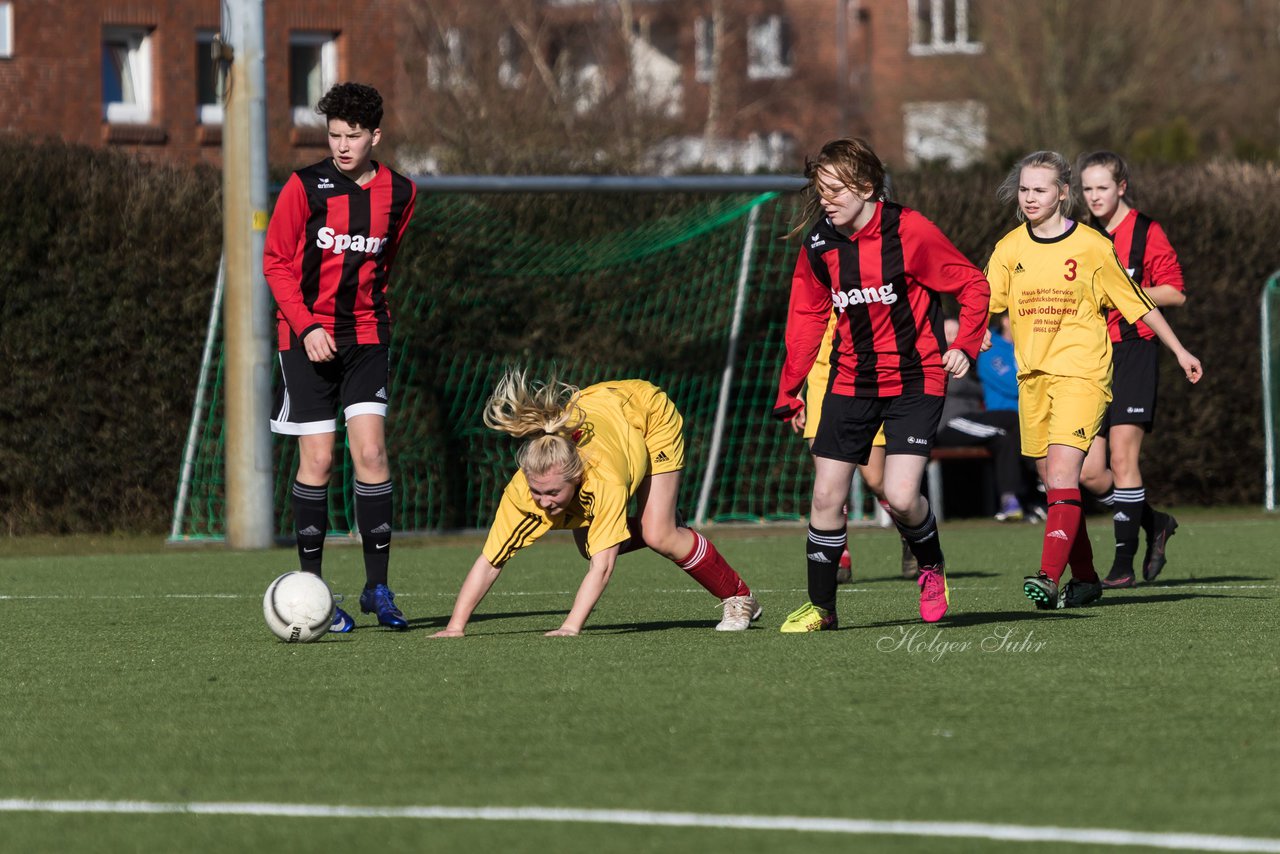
{"points": [[1060, 531], [705, 565], [1081, 558]]}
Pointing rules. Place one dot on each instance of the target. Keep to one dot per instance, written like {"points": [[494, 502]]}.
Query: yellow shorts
{"points": [[1054, 410], [663, 428]]}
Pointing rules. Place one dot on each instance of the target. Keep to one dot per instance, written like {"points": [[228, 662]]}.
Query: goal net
{"points": [[687, 290]]}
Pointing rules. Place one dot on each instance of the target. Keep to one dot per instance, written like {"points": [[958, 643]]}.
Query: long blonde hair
{"points": [[1008, 192], [547, 411]]}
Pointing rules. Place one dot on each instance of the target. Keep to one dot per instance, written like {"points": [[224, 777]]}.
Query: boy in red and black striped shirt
{"points": [[329, 250], [879, 267]]}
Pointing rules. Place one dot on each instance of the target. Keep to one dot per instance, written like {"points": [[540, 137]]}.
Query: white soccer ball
{"points": [[298, 607]]}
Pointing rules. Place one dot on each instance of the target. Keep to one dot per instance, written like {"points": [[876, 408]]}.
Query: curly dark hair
{"points": [[354, 103]]}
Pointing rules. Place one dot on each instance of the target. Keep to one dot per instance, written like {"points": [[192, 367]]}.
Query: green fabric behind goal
{"points": [[597, 286]]}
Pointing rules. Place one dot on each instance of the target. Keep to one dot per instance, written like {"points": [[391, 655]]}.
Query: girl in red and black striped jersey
{"points": [[879, 268], [330, 245], [1145, 251]]}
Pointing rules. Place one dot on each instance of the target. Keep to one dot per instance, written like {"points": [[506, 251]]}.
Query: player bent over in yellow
{"points": [[590, 451]]}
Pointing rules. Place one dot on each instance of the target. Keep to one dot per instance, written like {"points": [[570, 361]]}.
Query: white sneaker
{"points": [[739, 611]]}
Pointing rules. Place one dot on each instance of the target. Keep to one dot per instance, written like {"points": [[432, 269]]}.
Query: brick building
{"points": [[721, 84], [139, 74]]}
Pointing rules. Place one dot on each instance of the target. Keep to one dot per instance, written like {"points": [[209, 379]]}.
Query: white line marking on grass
{"points": [[858, 827]]}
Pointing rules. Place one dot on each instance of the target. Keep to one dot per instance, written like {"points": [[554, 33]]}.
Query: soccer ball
{"points": [[298, 607]]}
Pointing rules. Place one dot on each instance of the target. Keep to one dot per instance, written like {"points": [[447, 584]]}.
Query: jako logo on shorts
{"points": [[860, 296], [326, 238]]}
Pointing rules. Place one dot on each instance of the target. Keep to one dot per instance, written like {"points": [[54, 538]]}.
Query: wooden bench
{"points": [[937, 457]]}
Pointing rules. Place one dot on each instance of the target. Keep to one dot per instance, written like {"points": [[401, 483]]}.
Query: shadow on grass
{"points": [[1208, 579]]}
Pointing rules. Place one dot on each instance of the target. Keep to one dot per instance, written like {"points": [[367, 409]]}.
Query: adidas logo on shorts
{"points": [[661, 457], [1080, 434], [382, 393]]}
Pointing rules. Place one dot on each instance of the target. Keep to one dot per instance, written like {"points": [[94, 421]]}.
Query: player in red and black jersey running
{"points": [[879, 268], [1144, 249], [332, 240]]}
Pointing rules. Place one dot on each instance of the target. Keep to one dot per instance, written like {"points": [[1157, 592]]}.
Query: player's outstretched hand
{"points": [[562, 632], [449, 633], [1190, 366], [956, 363]]}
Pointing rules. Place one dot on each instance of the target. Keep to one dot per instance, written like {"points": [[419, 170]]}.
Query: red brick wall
{"points": [[52, 84]]}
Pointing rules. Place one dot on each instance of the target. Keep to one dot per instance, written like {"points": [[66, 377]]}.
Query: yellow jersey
{"points": [[611, 442], [1058, 291]]}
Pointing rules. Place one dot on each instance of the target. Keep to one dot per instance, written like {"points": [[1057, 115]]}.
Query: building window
{"points": [[943, 26], [951, 132], [208, 108], [126, 75], [511, 73], [768, 48], [446, 60], [313, 69], [704, 49], [6, 30]]}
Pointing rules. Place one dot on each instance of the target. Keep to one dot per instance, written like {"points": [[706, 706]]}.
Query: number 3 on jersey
{"points": [[1070, 275]]}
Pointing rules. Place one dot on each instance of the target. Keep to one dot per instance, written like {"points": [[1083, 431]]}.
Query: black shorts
{"points": [[850, 423], [310, 392], [1135, 384]]}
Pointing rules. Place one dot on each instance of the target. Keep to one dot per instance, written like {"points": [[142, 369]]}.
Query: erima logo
{"points": [[327, 238], [815, 241], [1080, 434], [661, 457], [862, 296], [818, 557], [324, 184], [1057, 534], [1131, 271], [1018, 269], [382, 393]]}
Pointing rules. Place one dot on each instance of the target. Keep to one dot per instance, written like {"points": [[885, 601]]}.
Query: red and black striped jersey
{"points": [[1149, 261], [329, 251], [883, 285]]}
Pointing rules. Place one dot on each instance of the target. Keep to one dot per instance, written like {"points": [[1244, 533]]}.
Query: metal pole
{"points": [[1268, 392], [247, 310], [735, 331]]}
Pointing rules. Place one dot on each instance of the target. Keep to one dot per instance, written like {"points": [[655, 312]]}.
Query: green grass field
{"points": [[132, 672]]}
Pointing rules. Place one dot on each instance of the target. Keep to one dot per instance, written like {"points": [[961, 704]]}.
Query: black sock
{"points": [[1148, 517], [1128, 518], [373, 510], [822, 554], [310, 522], [924, 541]]}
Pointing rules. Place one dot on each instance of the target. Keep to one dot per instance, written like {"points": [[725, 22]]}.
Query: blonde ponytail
{"points": [[549, 412]]}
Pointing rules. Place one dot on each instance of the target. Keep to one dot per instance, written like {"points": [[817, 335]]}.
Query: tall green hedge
{"points": [[109, 265]]}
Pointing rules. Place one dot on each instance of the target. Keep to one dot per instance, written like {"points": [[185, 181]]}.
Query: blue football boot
{"points": [[342, 622], [382, 601]]}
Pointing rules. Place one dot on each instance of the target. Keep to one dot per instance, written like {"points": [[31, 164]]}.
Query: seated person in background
{"points": [[966, 422]]}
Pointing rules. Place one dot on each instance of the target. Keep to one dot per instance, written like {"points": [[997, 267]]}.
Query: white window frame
{"points": [[446, 61], [951, 131], [509, 74], [137, 41], [704, 49], [305, 115], [207, 114], [767, 48], [6, 30], [935, 43]]}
